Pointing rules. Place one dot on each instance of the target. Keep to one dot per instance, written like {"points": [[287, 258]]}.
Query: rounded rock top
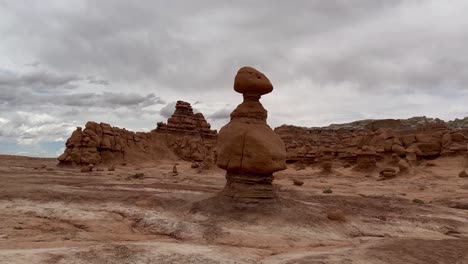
{"points": [[250, 81]]}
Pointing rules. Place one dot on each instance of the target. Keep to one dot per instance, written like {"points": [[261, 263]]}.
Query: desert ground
{"points": [[60, 215]]}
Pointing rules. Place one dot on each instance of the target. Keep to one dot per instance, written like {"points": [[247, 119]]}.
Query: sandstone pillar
{"points": [[248, 149]]}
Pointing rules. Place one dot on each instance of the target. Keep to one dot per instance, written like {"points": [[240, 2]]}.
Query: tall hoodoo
{"points": [[247, 147]]}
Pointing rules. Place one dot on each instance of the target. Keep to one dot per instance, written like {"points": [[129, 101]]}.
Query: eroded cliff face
{"points": [[186, 136], [412, 139]]}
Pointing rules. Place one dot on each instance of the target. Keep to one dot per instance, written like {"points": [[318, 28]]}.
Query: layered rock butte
{"points": [[186, 136]]}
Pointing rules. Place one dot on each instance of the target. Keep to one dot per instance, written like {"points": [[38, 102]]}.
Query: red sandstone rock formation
{"points": [[247, 147], [187, 136], [413, 139], [184, 121], [101, 143]]}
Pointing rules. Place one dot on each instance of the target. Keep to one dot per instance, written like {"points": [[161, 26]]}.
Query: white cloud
{"points": [[26, 128]]}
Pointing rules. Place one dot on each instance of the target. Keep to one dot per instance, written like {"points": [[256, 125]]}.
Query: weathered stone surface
{"points": [[399, 150], [404, 166], [298, 182], [388, 169], [184, 121], [414, 138], [388, 175], [366, 160], [336, 215], [446, 140], [248, 149], [458, 137], [250, 81], [463, 174], [187, 136]]}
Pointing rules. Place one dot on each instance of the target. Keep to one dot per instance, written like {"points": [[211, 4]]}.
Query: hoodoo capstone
{"points": [[248, 149]]}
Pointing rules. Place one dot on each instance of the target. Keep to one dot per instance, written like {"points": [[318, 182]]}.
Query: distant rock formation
{"points": [[247, 147], [362, 143], [187, 136], [186, 122]]}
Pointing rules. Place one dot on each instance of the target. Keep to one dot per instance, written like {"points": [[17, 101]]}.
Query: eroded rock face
{"points": [[187, 136], [184, 121], [248, 149], [421, 140], [366, 160], [102, 143]]}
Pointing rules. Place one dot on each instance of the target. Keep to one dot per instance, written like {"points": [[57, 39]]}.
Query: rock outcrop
{"points": [[412, 139], [248, 149], [186, 136], [184, 121], [102, 143]]}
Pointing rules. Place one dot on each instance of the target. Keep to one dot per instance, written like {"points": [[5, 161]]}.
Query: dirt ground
{"points": [[59, 215]]}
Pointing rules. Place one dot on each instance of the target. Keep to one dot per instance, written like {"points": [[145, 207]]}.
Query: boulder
{"points": [[388, 169], [298, 182], [429, 149], [336, 215], [463, 174], [404, 166], [388, 175], [399, 150], [458, 137]]}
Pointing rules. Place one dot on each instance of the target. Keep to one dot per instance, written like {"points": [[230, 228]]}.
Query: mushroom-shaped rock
{"points": [[248, 149]]}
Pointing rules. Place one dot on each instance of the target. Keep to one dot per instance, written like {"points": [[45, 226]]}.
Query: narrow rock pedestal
{"points": [[247, 187]]}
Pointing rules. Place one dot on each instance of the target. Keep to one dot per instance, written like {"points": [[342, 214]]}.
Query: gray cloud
{"points": [[27, 128], [38, 80], [16, 99], [39, 88], [329, 61], [95, 80], [223, 113], [34, 64], [168, 110], [374, 44]]}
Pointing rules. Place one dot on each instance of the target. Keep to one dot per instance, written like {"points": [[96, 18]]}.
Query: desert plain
{"points": [[53, 214]]}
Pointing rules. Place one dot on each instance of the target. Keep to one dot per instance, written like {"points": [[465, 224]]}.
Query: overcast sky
{"points": [[123, 62]]}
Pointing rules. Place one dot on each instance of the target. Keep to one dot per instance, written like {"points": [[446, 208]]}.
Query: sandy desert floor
{"points": [[61, 215]]}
